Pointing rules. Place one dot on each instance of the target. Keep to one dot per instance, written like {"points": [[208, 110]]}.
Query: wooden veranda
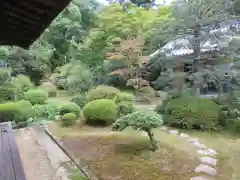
{"points": [[10, 162]]}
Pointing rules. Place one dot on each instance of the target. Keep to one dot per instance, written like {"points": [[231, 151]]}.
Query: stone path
{"points": [[207, 155], [40, 156]]}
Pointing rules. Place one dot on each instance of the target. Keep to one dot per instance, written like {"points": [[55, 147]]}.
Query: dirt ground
{"points": [[115, 156]]}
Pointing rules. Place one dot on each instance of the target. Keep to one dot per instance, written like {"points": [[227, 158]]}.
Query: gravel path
{"points": [[35, 159]]}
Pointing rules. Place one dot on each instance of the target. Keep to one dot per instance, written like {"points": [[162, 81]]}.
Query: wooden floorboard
{"points": [[7, 157], [17, 164], [11, 167], [1, 157]]}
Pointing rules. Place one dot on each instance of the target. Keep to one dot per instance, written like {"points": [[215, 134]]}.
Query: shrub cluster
{"points": [[50, 89], [192, 113], [69, 107], [23, 83], [46, 111], [18, 112], [124, 103], [36, 96], [102, 92], [122, 96], [80, 100]]}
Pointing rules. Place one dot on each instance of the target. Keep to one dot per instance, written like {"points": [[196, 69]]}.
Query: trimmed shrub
{"points": [[24, 111], [68, 119], [50, 89], [124, 108], [8, 112], [18, 112], [80, 100], [69, 107], [35, 96], [144, 121], [192, 113], [100, 112], [122, 96], [46, 111], [102, 92]]}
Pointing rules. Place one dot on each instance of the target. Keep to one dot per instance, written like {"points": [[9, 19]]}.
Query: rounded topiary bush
{"points": [[80, 100], [124, 108], [50, 89], [192, 113], [102, 92], [35, 96], [123, 97], [24, 111], [69, 107], [100, 112], [68, 119]]}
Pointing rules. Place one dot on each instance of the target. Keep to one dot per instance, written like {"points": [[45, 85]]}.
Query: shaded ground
{"points": [[113, 156]]}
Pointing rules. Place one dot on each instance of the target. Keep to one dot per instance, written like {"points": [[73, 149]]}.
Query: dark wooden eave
{"points": [[23, 21]]}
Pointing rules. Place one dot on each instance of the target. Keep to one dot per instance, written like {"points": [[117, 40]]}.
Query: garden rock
{"points": [[173, 132], [205, 153], [199, 178], [163, 128], [202, 168], [208, 160], [212, 151], [193, 140], [199, 145], [182, 135]]}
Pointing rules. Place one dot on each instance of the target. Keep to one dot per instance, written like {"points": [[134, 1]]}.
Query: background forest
{"points": [[135, 66], [131, 46]]}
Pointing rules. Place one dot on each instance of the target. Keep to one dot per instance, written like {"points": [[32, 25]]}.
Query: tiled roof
{"points": [[181, 47], [23, 21]]}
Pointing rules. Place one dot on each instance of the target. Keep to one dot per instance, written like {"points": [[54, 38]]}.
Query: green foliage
{"points": [[18, 112], [100, 112], [5, 75], [79, 79], [68, 119], [80, 100], [35, 96], [8, 112], [192, 113], [45, 111], [102, 92], [139, 120], [74, 78], [8, 93], [22, 83], [122, 96], [124, 108], [50, 89], [69, 107], [24, 111]]}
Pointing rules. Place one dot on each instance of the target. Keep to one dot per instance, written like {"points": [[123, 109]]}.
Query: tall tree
{"points": [[198, 22]]}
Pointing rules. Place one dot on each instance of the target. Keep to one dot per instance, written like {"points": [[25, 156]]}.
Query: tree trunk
{"points": [[152, 140], [196, 48]]}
